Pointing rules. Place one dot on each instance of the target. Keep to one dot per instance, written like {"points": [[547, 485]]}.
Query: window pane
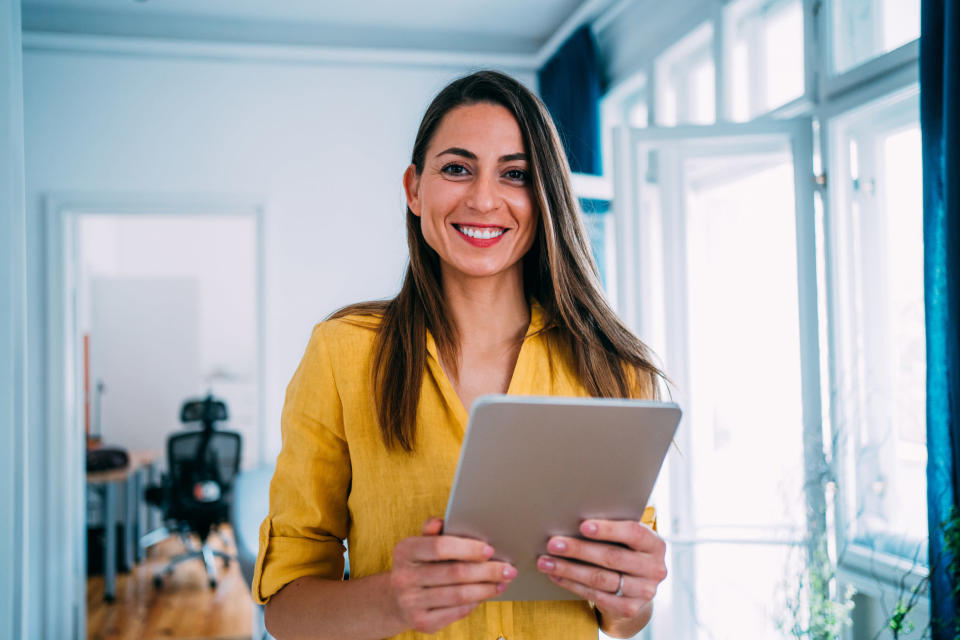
{"points": [[731, 536], [864, 29], [742, 318], [765, 55], [783, 50], [903, 195], [685, 85], [880, 360]]}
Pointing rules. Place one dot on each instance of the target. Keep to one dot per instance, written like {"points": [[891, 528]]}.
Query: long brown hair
{"points": [[558, 271]]}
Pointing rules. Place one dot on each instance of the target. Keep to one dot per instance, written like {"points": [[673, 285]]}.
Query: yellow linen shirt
{"points": [[336, 480]]}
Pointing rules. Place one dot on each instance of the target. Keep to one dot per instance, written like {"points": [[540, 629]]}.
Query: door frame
{"points": [[65, 545]]}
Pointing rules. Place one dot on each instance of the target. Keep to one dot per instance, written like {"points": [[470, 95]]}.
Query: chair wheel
{"points": [[158, 582], [213, 583]]}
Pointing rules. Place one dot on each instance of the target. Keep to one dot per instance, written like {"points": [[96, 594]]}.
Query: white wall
{"points": [[321, 146], [218, 254]]}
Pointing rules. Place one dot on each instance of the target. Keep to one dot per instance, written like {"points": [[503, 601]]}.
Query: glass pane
{"points": [[864, 29], [743, 341], [685, 76], [765, 55], [903, 191], [783, 51], [731, 204], [598, 221], [880, 375]]}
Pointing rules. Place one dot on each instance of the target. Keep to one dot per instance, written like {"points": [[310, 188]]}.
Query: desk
{"points": [[106, 482]]}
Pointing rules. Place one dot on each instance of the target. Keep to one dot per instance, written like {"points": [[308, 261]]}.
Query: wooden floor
{"points": [[186, 607]]}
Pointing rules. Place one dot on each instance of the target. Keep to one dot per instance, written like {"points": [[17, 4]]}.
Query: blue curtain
{"points": [[570, 86], [940, 124]]}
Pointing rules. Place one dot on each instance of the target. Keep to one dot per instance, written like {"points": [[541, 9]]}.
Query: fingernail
{"points": [[509, 572], [487, 550], [546, 564], [501, 587], [590, 527], [557, 545]]}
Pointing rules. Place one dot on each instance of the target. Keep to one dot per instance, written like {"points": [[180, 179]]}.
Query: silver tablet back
{"points": [[534, 467]]}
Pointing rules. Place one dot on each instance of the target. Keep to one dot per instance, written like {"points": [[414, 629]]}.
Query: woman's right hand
{"points": [[438, 579]]}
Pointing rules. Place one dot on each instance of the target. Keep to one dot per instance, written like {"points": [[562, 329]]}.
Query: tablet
{"points": [[534, 467]]}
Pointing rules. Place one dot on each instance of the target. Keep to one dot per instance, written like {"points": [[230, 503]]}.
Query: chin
{"points": [[480, 270]]}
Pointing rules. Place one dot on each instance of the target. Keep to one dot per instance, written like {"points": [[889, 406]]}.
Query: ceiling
{"points": [[508, 27]]}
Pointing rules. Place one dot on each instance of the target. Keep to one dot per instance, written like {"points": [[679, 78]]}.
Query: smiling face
{"points": [[474, 197]]}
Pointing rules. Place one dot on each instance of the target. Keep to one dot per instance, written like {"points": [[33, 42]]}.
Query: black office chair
{"points": [[196, 492]]}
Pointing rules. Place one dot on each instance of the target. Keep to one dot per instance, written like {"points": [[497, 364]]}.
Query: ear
{"points": [[411, 186]]}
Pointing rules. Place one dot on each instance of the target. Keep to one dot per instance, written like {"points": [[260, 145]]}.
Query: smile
{"points": [[480, 233]]}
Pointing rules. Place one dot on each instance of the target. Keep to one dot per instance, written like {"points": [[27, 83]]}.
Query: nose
{"points": [[482, 196]]}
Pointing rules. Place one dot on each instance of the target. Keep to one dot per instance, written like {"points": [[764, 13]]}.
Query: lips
{"points": [[480, 235]]}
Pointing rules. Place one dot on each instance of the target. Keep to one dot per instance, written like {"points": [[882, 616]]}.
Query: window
{"points": [[878, 382], [685, 84], [724, 207], [598, 222], [731, 263], [764, 61], [865, 29]]}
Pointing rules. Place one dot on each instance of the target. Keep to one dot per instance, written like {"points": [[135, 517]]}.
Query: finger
{"points": [[609, 556], [607, 603], [455, 595], [431, 621], [440, 547], [603, 554], [444, 573], [432, 527], [629, 533], [590, 575]]}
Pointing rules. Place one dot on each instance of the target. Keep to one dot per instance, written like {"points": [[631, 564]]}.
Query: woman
{"points": [[500, 296]]}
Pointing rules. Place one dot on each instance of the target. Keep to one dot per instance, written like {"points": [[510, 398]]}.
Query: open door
{"points": [[718, 250]]}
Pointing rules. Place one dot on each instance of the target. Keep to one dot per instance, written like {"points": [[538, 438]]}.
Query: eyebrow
{"points": [[459, 151]]}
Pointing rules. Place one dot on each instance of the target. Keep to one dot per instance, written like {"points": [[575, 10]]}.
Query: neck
{"points": [[487, 312]]}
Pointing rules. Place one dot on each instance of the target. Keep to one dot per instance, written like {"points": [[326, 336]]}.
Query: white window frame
{"points": [[826, 95], [802, 104], [634, 262], [858, 563]]}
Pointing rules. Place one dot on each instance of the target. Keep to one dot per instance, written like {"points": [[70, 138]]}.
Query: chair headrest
{"points": [[208, 410]]}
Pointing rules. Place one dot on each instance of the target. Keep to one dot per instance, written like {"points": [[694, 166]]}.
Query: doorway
{"points": [[152, 301]]}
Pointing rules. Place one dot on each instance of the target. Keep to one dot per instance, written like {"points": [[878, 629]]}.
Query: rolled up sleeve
{"points": [[308, 520]]}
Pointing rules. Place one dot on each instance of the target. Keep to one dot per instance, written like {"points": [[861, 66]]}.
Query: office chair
{"points": [[196, 492]]}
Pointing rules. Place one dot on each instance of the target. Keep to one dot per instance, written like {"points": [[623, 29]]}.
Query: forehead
{"points": [[481, 127]]}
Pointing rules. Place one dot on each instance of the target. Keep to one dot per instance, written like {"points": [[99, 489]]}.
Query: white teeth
{"points": [[482, 233]]}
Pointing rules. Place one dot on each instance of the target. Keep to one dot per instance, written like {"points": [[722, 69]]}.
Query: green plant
{"points": [[814, 611], [898, 621]]}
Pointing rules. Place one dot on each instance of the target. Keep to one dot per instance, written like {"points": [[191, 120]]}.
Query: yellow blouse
{"points": [[336, 480]]}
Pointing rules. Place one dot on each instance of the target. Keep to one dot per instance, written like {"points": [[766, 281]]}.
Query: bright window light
{"points": [[864, 29], [764, 55], [734, 536], [879, 372], [685, 85]]}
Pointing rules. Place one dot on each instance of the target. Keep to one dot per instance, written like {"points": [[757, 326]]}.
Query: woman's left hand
{"points": [[619, 555]]}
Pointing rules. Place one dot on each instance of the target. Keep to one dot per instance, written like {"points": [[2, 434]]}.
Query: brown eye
{"points": [[454, 169], [518, 175]]}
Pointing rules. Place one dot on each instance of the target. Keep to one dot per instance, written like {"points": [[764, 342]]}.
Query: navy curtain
{"points": [[940, 124], [570, 86]]}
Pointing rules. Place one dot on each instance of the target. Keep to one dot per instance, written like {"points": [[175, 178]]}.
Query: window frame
{"points": [[826, 96], [857, 562]]}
